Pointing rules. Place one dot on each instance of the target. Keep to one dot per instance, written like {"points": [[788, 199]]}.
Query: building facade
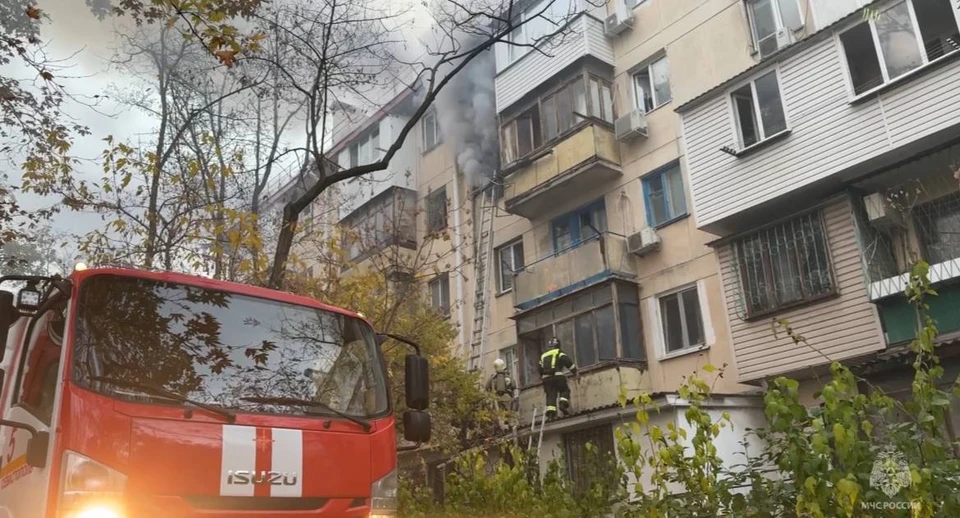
{"points": [[676, 179], [595, 239], [826, 168]]}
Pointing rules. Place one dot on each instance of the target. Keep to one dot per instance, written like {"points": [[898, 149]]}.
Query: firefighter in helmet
{"points": [[503, 387], [555, 384]]}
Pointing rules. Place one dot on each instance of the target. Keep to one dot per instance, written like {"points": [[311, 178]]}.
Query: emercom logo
{"points": [[891, 475]]}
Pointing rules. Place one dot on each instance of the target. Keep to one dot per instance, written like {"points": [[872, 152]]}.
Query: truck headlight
{"points": [[383, 496], [89, 489]]}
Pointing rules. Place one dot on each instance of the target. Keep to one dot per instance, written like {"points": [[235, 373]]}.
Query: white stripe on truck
{"points": [[288, 461], [238, 453]]}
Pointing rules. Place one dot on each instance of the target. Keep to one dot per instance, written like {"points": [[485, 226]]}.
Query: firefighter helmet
{"points": [[499, 365]]}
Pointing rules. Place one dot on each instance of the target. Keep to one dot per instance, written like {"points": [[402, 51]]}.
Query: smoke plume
{"points": [[466, 111]]}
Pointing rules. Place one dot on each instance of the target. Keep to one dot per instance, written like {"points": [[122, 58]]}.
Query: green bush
{"points": [[816, 463]]}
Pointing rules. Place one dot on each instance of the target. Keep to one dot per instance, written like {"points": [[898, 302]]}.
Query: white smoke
{"points": [[466, 111]]}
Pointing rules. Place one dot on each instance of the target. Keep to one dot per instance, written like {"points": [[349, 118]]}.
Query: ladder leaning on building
{"points": [[483, 250]]}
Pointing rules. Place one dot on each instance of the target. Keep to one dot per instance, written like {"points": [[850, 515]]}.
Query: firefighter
{"points": [[503, 388], [555, 385]]}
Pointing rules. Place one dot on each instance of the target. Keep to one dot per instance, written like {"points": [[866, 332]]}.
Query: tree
{"points": [[158, 196], [344, 46], [387, 289]]}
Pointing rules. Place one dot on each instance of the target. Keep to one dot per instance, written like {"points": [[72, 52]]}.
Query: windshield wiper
{"points": [[157, 391], [305, 402]]}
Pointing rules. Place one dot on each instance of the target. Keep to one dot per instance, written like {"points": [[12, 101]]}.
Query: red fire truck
{"points": [[129, 393]]}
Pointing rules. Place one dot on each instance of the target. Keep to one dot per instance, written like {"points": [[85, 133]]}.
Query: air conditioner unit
{"points": [[644, 242], [619, 21], [880, 212], [631, 125]]}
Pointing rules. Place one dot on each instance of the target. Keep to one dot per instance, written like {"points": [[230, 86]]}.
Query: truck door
{"points": [[34, 380]]}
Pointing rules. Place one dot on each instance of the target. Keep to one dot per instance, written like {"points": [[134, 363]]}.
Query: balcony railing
{"points": [[584, 264], [585, 156]]}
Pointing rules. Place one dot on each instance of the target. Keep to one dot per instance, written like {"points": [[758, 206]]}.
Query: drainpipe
{"points": [[458, 244]]}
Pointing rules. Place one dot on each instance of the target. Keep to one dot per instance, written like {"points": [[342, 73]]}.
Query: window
{"points": [[899, 39], [517, 38], [437, 210], [578, 226], [663, 192], [561, 110], [588, 466], [651, 85], [586, 323], [680, 320], [771, 22], [554, 114], [630, 331], [532, 348], [366, 149], [938, 225], [509, 356], [40, 364], [440, 293], [521, 135], [784, 265], [758, 109], [510, 261], [431, 130], [601, 100]]}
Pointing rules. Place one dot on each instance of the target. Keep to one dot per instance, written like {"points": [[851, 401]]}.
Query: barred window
{"points": [[785, 265]]}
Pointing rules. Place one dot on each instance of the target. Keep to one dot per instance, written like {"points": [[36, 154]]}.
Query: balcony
{"points": [[587, 263], [587, 155], [520, 69]]}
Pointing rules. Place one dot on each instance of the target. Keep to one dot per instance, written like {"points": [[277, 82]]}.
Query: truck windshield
{"points": [[224, 349]]}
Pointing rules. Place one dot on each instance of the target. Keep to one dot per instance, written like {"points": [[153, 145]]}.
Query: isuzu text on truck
{"points": [[137, 394]]}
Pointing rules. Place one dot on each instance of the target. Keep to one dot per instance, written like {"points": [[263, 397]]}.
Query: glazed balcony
{"points": [[586, 155]]}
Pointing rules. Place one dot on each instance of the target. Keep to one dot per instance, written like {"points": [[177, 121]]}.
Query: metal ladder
{"points": [[533, 427], [483, 249]]}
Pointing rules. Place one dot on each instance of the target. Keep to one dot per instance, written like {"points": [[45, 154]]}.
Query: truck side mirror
{"points": [[8, 314], [417, 382], [416, 426], [37, 448]]}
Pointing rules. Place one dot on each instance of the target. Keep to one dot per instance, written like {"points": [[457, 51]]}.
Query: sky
{"points": [[73, 34], [87, 45]]}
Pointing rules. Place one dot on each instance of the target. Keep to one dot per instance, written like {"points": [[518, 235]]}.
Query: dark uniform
{"points": [[555, 385]]}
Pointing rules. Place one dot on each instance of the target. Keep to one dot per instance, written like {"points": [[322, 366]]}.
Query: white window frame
{"points": [[516, 38], [637, 91], [778, 20], [732, 107], [511, 246], [654, 314], [513, 362], [430, 117], [871, 23], [439, 281]]}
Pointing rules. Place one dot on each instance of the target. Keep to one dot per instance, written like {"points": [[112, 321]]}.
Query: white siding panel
{"points": [[829, 134], [581, 38], [597, 42], [841, 327]]}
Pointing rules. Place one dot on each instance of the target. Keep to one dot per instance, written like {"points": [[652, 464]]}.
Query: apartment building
{"points": [[595, 239], [826, 166]]}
